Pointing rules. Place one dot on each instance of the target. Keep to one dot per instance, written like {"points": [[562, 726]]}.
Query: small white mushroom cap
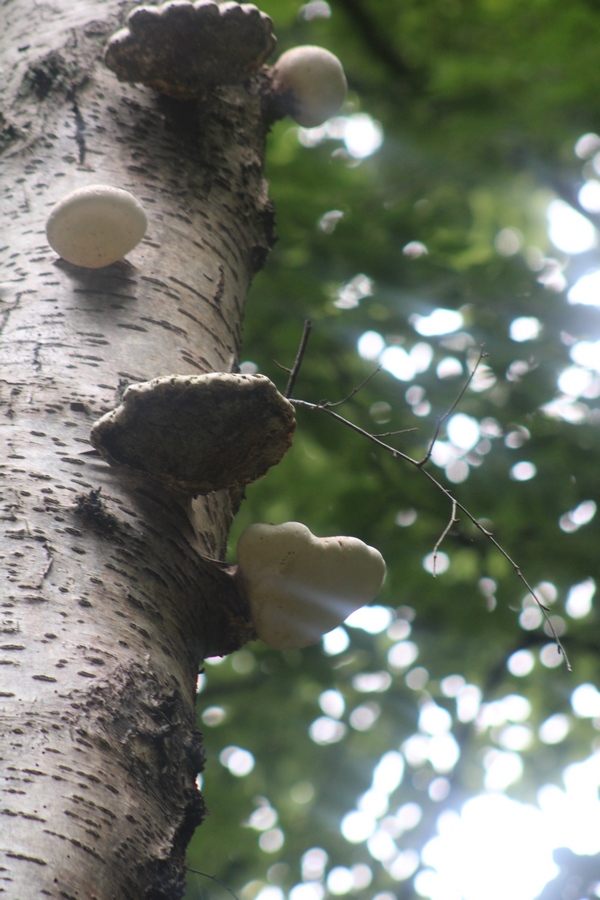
{"points": [[315, 82], [96, 225], [300, 586]]}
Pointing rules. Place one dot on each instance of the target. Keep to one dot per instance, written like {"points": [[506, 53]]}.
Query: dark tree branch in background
{"points": [[376, 39], [577, 877], [325, 407], [564, 185]]}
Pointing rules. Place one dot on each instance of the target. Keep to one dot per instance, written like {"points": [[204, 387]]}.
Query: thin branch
{"points": [[215, 879], [381, 434], [418, 464], [438, 543], [353, 393], [507, 557], [306, 404], [450, 410], [299, 357]]}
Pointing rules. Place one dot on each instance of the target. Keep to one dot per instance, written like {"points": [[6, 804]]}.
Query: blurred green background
{"points": [[459, 154]]}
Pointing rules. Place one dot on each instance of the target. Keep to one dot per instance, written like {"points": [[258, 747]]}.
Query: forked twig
{"points": [[325, 407], [440, 540], [452, 407], [354, 392], [397, 454]]}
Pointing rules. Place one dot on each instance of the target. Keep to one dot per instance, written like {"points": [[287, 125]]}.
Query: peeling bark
{"points": [[110, 592]]}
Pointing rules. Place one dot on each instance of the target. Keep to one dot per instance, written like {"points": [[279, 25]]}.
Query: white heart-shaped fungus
{"points": [[300, 586]]}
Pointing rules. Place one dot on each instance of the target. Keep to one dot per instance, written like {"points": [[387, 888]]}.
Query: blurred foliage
{"points": [[481, 104]]}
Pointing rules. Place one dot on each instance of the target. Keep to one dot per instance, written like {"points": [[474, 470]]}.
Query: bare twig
{"points": [[353, 392], [293, 372], [215, 879], [381, 434], [450, 410], [324, 407], [419, 464], [440, 540], [299, 357]]}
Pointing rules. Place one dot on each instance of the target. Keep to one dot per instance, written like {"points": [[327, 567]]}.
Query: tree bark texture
{"points": [[110, 596]]}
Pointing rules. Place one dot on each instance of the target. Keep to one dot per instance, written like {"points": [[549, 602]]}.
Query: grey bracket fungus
{"points": [[180, 48], [198, 433], [96, 225], [310, 84], [300, 586]]}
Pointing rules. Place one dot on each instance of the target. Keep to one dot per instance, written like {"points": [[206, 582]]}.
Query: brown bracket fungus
{"points": [[182, 48], [198, 433], [300, 586], [96, 225], [310, 84]]}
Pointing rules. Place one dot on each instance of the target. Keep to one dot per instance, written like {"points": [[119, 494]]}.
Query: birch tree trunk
{"points": [[108, 601]]}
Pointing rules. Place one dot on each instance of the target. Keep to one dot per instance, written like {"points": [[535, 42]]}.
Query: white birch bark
{"points": [[107, 605]]}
